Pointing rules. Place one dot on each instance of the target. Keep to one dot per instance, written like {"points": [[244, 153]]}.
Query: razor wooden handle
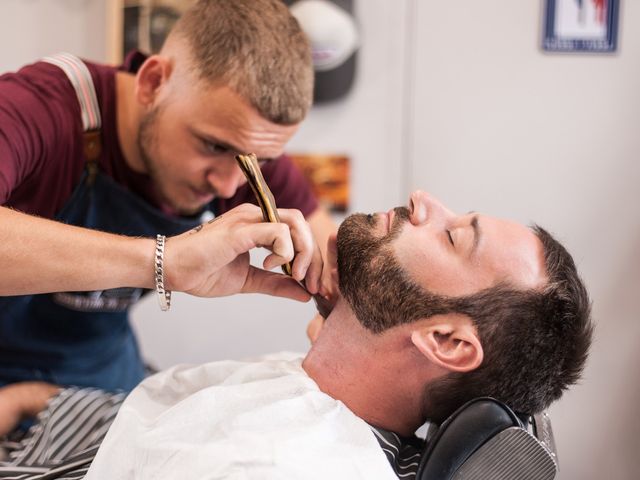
{"points": [[266, 202]]}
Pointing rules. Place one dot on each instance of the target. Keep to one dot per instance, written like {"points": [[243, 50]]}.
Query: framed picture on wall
{"points": [[581, 26], [328, 174]]}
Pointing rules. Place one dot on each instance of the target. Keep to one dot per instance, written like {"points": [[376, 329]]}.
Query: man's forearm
{"points": [[211, 260], [39, 256]]}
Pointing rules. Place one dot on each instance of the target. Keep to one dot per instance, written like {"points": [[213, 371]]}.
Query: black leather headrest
{"points": [[466, 430]]}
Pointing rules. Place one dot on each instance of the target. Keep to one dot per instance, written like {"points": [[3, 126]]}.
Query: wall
{"points": [[30, 29]]}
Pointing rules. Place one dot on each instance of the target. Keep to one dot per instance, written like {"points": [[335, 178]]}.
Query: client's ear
{"points": [[449, 341]]}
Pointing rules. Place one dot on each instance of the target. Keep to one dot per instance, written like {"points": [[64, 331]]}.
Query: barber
{"points": [[116, 180]]}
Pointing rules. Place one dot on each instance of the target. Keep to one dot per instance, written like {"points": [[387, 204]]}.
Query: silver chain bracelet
{"points": [[164, 296]]}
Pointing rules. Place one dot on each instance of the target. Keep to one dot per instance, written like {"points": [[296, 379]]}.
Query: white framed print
{"points": [[581, 26]]}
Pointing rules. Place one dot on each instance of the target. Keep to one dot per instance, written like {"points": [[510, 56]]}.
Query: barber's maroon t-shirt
{"points": [[41, 158]]}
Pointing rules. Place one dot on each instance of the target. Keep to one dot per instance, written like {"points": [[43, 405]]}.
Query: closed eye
{"points": [[450, 237]]}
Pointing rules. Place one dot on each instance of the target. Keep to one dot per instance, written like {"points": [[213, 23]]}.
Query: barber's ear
{"points": [[451, 342], [151, 77]]}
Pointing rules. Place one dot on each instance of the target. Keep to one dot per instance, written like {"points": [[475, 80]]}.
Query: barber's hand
{"points": [[212, 260], [329, 287], [23, 400], [314, 327]]}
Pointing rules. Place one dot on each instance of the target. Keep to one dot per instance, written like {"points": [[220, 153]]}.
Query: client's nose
{"points": [[426, 208]]}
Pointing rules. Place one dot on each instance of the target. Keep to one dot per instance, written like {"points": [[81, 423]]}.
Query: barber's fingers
{"points": [[276, 284], [332, 250], [308, 259], [314, 327], [246, 212], [308, 263], [276, 237], [329, 286]]}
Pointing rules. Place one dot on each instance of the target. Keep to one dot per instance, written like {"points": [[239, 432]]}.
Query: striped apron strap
{"points": [[80, 78]]}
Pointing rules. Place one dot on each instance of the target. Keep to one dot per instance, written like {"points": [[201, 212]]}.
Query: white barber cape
{"points": [[262, 419]]}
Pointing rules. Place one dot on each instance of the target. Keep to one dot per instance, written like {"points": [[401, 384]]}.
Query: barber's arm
{"points": [[40, 255]]}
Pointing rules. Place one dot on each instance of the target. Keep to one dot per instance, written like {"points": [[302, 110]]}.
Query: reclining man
{"points": [[434, 309]]}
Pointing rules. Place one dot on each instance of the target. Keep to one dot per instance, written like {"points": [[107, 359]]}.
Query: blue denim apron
{"points": [[84, 338]]}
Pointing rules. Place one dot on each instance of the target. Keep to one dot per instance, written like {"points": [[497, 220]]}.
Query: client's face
{"points": [[387, 259]]}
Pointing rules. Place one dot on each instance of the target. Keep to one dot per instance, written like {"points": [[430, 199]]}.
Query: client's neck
{"points": [[379, 377]]}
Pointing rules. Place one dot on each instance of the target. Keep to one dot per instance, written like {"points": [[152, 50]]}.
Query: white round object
{"points": [[331, 31]]}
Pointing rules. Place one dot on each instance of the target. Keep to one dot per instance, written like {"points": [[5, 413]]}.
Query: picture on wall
{"points": [[328, 175], [581, 26]]}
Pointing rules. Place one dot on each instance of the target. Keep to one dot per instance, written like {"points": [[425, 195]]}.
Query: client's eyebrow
{"points": [[477, 233]]}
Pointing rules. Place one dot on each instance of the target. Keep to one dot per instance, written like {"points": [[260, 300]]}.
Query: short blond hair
{"points": [[256, 48]]}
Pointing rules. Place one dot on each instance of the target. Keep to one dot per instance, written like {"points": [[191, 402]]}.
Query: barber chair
{"points": [[485, 440]]}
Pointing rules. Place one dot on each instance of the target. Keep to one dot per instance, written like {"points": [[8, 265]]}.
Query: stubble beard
{"points": [[147, 143]]}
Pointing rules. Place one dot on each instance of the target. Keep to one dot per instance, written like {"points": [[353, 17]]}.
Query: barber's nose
{"points": [[226, 181], [426, 208]]}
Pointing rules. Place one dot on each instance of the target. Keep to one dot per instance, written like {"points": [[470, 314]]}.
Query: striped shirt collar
{"points": [[403, 453]]}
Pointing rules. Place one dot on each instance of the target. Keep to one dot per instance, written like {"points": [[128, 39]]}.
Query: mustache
{"points": [[207, 189], [400, 217], [360, 224]]}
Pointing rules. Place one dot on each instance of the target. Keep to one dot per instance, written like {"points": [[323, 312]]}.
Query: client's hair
{"points": [[535, 342], [257, 48]]}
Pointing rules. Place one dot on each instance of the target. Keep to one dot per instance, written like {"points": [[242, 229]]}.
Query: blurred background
{"points": [[459, 99]]}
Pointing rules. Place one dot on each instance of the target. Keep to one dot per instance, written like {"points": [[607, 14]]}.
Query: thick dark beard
{"points": [[377, 288]]}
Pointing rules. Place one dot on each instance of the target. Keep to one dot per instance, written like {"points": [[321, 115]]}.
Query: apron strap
{"points": [[80, 78]]}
